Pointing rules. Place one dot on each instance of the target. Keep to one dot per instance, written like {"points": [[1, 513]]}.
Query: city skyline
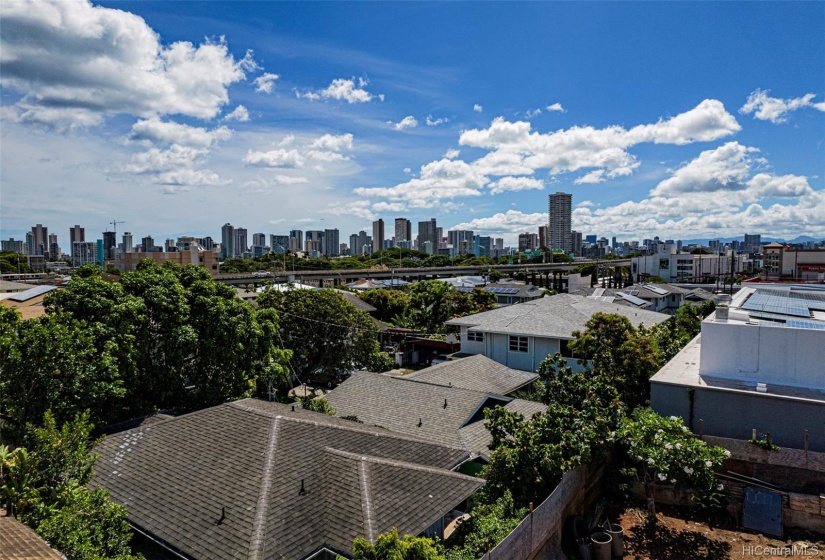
{"points": [[275, 124]]}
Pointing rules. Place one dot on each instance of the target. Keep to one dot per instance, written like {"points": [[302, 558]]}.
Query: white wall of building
{"points": [[763, 354]]}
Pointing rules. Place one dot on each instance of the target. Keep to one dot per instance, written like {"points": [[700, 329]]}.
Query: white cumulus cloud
{"points": [[265, 83], [407, 122], [478, 108], [556, 107], [509, 184], [240, 114], [274, 158], [343, 90], [75, 63], [767, 108], [435, 122], [156, 131], [289, 180]]}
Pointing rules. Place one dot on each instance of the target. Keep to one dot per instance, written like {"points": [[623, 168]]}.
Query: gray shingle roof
{"points": [[250, 460], [418, 409], [478, 372], [552, 317]]}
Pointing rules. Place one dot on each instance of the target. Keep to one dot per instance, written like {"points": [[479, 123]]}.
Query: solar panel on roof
{"points": [[33, 293], [631, 299], [777, 302], [800, 324], [598, 292], [656, 289]]}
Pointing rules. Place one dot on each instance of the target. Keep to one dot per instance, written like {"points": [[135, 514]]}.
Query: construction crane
{"points": [[114, 226]]}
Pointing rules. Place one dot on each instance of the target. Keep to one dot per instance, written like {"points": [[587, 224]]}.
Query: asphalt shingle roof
{"points": [[478, 373], [448, 415], [19, 542], [552, 317], [226, 482]]}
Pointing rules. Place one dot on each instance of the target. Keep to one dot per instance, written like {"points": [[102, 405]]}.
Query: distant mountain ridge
{"points": [[705, 241]]}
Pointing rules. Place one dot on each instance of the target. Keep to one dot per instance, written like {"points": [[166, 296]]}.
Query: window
{"points": [[473, 336], [564, 349], [518, 344]]}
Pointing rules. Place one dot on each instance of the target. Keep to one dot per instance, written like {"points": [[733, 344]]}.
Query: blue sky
{"points": [[683, 120]]}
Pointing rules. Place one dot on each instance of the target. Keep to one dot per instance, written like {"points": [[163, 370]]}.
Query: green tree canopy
{"points": [[388, 303], [665, 452], [163, 337], [391, 546], [626, 356], [322, 329], [48, 485]]}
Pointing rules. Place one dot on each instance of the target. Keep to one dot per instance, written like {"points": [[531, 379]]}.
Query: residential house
{"points": [[254, 479], [521, 336], [661, 297], [478, 373], [433, 410]]}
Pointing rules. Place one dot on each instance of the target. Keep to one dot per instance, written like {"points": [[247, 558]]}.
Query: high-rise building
{"points": [[439, 238], [279, 244], [359, 244], [483, 246], [84, 253], [315, 242], [462, 241], [40, 240], [227, 242], [29, 249], [296, 240], [377, 235], [403, 230], [109, 243], [170, 246], [428, 231], [576, 242], [241, 244], [76, 234], [15, 246], [527, 242], [258, 239], [543, 239], [332, 246], [127, 245], [148, 244], [753, 243], [208, 243], [54, 248], [559, 211]]}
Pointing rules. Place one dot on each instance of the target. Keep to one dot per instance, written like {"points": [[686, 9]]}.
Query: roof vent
{"points": [[223, 516], [445, 403], [761, 388], [419, 422], [303, 490]]}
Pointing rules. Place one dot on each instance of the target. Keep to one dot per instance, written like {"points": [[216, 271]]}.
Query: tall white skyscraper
{"points": [[559, 226], [378, 235]]}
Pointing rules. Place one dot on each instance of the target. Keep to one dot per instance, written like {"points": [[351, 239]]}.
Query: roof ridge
{"points": [[356, 427], [257, 543], [395, 463], [366, 499]]}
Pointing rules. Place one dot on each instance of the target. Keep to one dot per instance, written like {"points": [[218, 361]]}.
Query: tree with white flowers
{"points": [[667, 453]]}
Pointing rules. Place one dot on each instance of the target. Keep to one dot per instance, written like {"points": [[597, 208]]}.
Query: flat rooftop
{"points": [[683, 370]]}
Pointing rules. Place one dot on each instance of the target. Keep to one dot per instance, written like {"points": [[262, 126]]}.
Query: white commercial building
{"points": [[673, 266], [757, 365]]}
